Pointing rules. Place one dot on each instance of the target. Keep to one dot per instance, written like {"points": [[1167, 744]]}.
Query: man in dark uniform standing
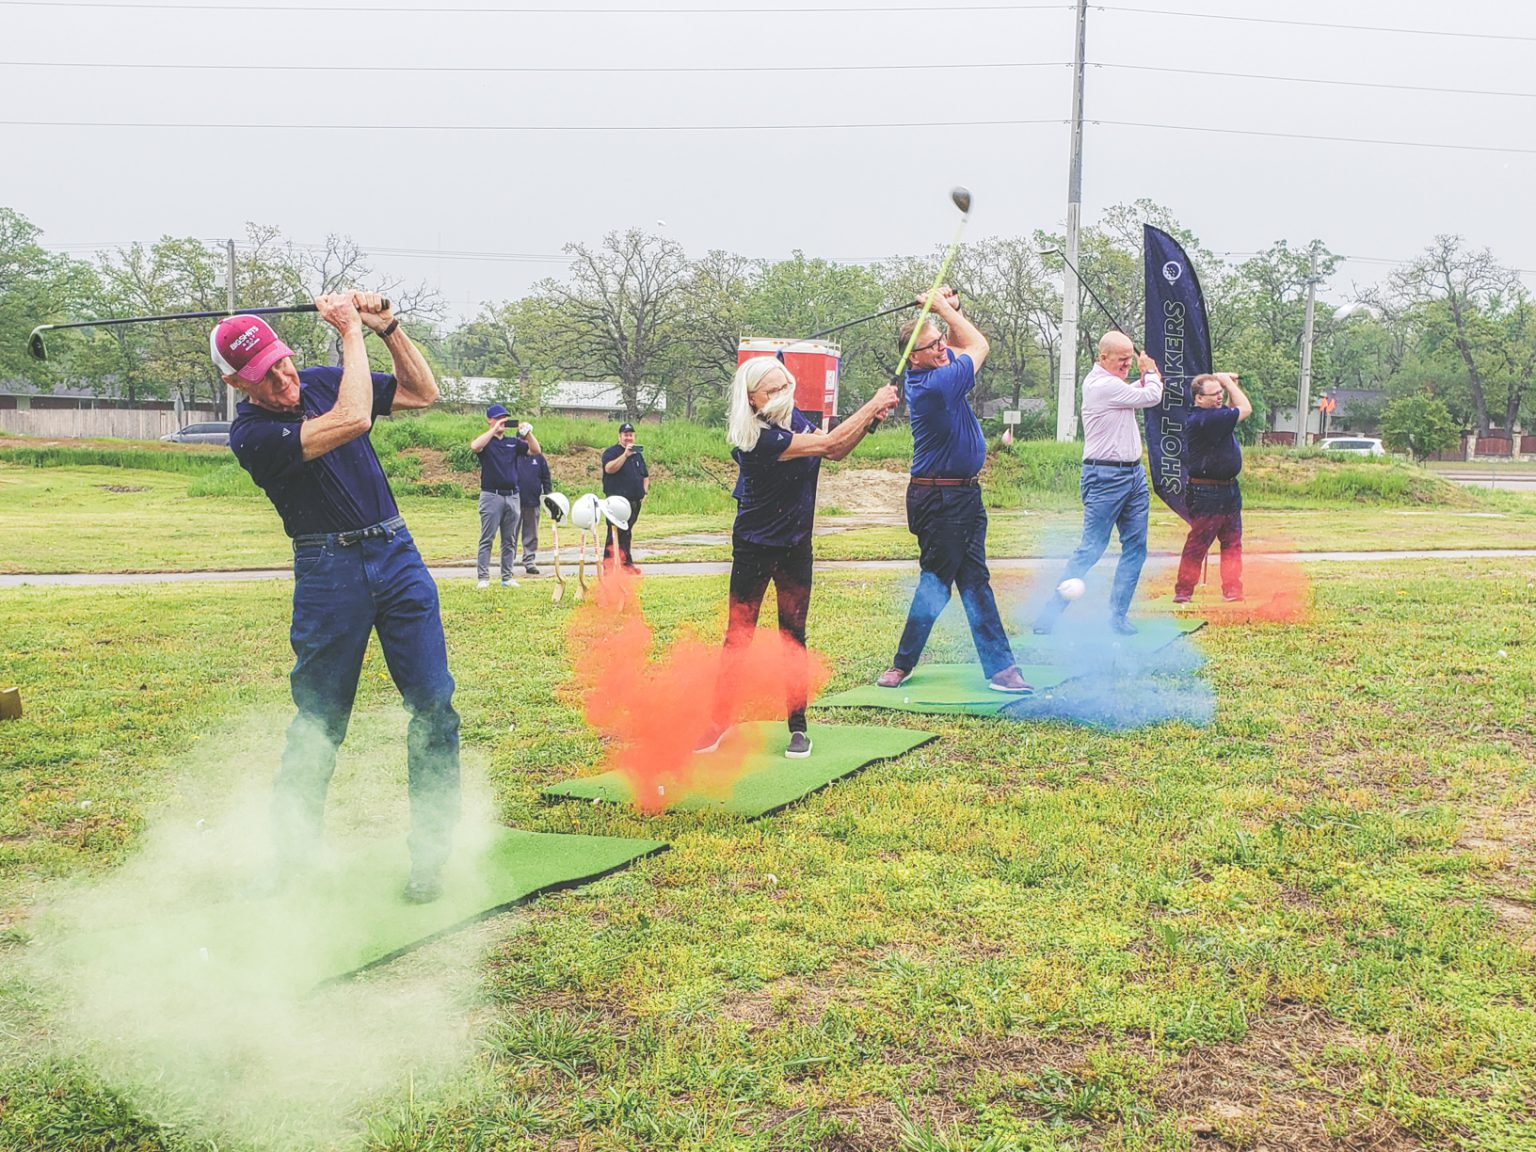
{"points": [[533, 484], [500, 505], [944, 508], [625, 474], [1215, 501], [303, 437]]}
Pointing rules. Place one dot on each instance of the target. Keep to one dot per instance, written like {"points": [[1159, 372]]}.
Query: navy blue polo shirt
{"points": [[1214, 453], [532, 479], [342, 491], [628, 481], [776, 501], [946, 436], [498, 463]]}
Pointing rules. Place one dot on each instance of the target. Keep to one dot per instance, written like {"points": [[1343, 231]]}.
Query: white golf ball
{"points": [[1071, 589]]}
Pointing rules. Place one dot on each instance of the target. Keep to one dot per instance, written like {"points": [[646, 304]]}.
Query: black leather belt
{"points": [[500, 491], [1114, 463], [947, 481]]}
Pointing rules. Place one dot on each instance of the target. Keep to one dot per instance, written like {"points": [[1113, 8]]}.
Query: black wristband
{"points": [[390, 331]]}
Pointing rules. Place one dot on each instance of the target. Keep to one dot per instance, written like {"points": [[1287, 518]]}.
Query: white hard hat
{"points": [[557, 506], [618, 512], [586, 512]]}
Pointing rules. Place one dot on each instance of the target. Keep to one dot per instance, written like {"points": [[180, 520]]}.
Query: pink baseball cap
{"points": [[246, 346]]}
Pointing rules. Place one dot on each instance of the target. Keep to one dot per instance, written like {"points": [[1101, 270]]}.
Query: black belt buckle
{"points": [[347, 539]]}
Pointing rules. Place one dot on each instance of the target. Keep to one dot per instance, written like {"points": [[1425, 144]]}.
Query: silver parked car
{"points": [[211, 432], [1354, 445]]}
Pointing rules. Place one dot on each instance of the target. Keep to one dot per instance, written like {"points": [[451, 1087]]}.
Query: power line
{"points": [[1318, 80], [522, 127], [220, 67], [435, 11], [1328, 139], [1312, 23]]}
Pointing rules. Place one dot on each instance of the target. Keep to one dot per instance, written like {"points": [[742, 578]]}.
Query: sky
{"points": [[464, 143]]}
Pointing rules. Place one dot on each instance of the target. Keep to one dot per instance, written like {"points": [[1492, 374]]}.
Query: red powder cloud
{"points": [[653, 710], [1275, 590]]}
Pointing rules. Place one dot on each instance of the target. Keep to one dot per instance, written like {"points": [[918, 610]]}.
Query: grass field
{"points": [[197, 511], [1307, 926]]}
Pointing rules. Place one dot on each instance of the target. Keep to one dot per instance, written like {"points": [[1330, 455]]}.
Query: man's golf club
{"points": [[962, 200], [1089, 289], [39, 352], [861, 320]]}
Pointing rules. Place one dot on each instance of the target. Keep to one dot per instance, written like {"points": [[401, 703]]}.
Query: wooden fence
{"points": [[86, 423]]}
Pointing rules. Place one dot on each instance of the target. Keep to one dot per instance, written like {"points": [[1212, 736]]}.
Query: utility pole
{"points": [[230, 396], [1304, 392], [1066, 384]]}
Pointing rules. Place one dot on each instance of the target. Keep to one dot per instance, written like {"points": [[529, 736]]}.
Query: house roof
{"points": [[580, 395]]}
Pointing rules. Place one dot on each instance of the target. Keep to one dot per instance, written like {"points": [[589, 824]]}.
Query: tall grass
{"points": [[693, 472], [181, 459]]}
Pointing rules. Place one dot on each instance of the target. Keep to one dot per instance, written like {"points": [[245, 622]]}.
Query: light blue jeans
{"points": [[1117, 498]]}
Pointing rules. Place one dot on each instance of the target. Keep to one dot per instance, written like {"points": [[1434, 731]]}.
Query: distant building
{"points": [[564, 398], [1358, 411]]}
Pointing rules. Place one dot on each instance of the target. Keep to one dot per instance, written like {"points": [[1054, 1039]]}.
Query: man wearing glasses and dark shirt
{"points": [[944, 507], [1215, 501]]}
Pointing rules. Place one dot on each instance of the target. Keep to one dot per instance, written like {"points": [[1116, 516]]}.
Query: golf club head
{"points": [[35, 345], [962, 198]]}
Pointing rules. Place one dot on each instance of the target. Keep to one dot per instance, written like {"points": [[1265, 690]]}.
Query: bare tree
{"points": [[1007, 291], [621, 313]]}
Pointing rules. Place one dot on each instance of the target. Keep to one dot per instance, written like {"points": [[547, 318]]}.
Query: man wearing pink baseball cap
{"points": [[302, 434]]}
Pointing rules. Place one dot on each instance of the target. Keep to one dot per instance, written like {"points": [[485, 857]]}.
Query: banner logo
{"points": [[1172, 271]]}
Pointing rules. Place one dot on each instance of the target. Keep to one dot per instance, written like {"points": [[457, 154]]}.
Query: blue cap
{"points": [[495, 412]]}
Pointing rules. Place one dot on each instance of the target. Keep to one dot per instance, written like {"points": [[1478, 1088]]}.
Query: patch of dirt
{"points": [[1290, 1084], [434, 467], [866, 492], [120, 488], [1295, 1083]]}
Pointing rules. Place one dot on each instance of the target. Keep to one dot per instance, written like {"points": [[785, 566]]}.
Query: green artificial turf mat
{"points": [[1075, 636], [945, 689], [352, 916], [768, 780]]}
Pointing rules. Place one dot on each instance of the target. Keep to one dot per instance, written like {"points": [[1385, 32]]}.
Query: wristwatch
{"points": [[390, 331]]}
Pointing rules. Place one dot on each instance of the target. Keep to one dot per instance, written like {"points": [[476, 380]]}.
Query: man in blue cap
{"points": [[303, 437], [500, 507]]}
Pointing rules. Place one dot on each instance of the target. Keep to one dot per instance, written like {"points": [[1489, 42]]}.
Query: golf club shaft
{"points": [[917, 329], [34, 341], [1088, 288], [938, 282], [860, 320], [276, 310]]}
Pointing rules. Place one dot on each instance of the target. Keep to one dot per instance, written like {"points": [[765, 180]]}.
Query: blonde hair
{"points": [[745, 424]]}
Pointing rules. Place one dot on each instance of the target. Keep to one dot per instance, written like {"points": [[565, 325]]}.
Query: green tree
{"points": [[1420, 425], [36, 287]]}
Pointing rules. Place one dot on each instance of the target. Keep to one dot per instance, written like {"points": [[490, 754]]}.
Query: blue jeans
{"points": [[951, 529], [1112, 498], [342, 592]]}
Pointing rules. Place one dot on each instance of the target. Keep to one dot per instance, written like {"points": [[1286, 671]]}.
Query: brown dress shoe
{"points": [[1009, 680], [893, 678]]}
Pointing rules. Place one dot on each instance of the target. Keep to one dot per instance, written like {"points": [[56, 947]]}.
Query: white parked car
{"points": [[1354, 445]]}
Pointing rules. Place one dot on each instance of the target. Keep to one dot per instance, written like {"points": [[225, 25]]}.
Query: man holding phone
{"points": [[500, 508], [625, 474]]}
